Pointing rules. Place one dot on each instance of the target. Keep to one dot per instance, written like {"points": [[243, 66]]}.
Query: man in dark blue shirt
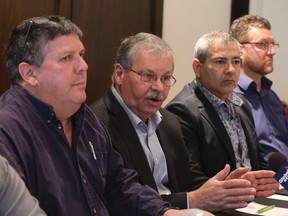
{"points": [[258, 50], [51, 137]]}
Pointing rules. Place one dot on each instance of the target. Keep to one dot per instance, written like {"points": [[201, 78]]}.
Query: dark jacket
{"points": [[125, 140], [205, 135]]}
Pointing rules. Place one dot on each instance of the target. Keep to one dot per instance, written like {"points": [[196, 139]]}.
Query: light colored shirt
{"points": [[150, 144], [15, 199], [268, 113], [228, 113]]}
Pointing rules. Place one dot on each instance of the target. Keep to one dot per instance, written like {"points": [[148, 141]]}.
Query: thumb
{"points": [[221, 175]]}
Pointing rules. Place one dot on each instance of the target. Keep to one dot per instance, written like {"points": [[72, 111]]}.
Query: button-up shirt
{"points": [[268, 113], [150, 144], [228, 113], [88, 178]]}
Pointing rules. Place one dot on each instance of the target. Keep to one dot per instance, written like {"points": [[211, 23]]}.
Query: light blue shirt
{"points": [[150, 144]]}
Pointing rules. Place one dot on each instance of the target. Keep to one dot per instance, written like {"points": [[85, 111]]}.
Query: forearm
{"points": [[14, 196]]}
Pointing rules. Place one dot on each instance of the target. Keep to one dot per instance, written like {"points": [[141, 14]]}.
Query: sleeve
{"points": [[15, 198], [260, 153], [189, 124], [179, 200]]}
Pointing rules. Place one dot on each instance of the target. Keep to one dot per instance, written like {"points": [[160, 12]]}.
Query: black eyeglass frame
{"points": [[27, 35]]}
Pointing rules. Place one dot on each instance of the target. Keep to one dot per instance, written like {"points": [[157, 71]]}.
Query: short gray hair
{"points": [[202, 45]]}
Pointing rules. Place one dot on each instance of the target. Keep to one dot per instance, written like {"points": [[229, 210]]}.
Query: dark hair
{"points": [[28, 40]]}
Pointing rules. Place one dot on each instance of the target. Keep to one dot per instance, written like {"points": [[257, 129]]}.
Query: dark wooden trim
{"points": [[238, 9], [157, 17]]}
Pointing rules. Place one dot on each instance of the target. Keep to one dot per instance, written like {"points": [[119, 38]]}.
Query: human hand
{"points": [[187, 212], [263, 181], [220, 193]]}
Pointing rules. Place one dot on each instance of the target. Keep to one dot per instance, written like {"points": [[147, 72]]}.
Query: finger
{"points": [[264, 193], [266, 181], [221, 175], [263, 174], [235, 184], [238, 173], [269, 186]]}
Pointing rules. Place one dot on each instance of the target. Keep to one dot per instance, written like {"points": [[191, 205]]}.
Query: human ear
{"points": [[196, 67], [27, 73], [118, 73]]}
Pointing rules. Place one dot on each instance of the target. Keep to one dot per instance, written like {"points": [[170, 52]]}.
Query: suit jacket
{"points": [[126, 142], [205, 135]]}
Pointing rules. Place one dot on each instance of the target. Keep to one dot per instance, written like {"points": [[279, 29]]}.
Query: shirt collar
{"points": [[45, 110], [245, 82], [231, 100]]}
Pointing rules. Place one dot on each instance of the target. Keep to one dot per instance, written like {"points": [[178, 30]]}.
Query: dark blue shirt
{"points": [[268, 112], [85, 179]]}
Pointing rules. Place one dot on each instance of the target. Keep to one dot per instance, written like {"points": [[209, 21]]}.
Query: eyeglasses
{"points": [[35, 22], [26, 36], [167, 80], [263, 46]]}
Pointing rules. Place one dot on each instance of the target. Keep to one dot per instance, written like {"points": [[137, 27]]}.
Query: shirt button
{"points": [[156, 161], [94, 211], [59, 127], [48, 121], [84, 181]]}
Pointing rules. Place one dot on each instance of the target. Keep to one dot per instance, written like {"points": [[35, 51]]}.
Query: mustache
{"points": [[154, 95]]}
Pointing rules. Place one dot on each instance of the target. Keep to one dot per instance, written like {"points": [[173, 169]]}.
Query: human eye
{"points": [[82, 54], [220, 61], [166, 78], [264, 45], [236, 61], [66, 58], [147, 76]]}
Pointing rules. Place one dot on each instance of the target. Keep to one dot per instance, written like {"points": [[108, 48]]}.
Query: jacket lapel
{"points": [[213, 118], [128, 138]]}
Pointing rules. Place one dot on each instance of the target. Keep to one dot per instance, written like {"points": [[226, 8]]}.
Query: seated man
{"points": [[52, 138], [149, 138], [217, 125], [258, 48]]}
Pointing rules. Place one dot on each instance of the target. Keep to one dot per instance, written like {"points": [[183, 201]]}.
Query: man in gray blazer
{"points": [[217, 124], [149, 138]]}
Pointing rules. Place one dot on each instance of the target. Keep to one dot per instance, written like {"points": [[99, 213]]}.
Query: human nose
{"points": [[271, 49], [82, 65], [157, 84], [233, 68], [230, 67]]}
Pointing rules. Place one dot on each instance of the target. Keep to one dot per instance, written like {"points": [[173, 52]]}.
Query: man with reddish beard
{"points": [[258, 49], [149, 138], [217, 125]]}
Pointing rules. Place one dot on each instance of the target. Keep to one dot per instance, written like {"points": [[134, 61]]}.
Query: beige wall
{"points": [[185, 21], [276, 13]]}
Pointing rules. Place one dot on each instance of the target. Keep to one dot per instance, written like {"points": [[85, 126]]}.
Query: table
{"points": [[264, 201]]}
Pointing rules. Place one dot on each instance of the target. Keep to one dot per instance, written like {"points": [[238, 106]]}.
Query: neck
{"points": [[257, 78]]}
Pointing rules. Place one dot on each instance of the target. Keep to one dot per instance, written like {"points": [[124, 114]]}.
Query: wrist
{"points": [[163, 209]]}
